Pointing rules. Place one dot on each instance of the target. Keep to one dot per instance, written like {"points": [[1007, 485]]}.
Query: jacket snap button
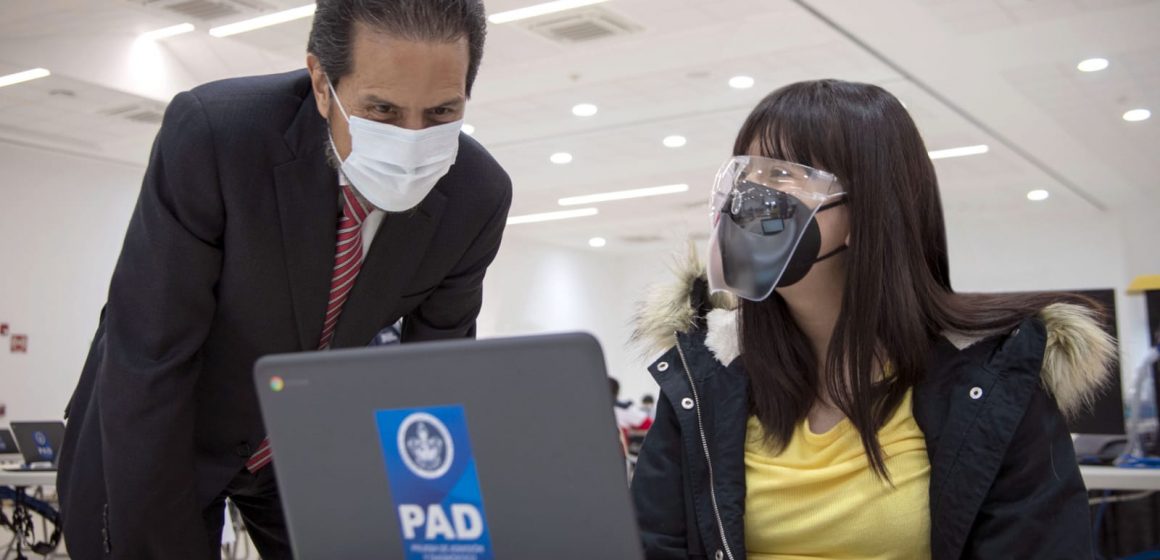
{"points": [[976, 393], [719, 555], [687, 403], [663, 367]]}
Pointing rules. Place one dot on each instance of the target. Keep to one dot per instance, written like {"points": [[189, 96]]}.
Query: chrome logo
{"points": [[277, 384]]}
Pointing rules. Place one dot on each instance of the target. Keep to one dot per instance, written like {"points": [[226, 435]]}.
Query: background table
{"points": [[1116, 478]]}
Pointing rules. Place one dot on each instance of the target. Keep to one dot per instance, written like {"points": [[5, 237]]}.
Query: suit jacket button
{"points": [[244, 450]]}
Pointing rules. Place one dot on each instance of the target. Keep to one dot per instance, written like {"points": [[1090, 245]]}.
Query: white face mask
{"points": [[395, 168]]}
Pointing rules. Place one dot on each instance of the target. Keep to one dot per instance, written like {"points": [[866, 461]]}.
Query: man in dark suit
{"points": [[293, 212]]}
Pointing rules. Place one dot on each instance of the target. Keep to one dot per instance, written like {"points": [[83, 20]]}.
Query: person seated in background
{"points": [[1143, 430], [627, 417], [840, 400], [648, 406]]}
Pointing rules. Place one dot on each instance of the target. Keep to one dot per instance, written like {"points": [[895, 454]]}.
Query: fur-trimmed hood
{"points": [[1075, 362]]}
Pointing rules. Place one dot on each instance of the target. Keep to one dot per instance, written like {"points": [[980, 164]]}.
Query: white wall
{"points": [[1140, 227], [540, 288], [62, 220], [1049, 250]]}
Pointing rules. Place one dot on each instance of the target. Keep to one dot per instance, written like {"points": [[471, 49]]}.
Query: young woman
{"points": [[852, 405]]}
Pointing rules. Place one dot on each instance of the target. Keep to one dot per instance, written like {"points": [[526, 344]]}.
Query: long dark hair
{"points": [[897, 297]]}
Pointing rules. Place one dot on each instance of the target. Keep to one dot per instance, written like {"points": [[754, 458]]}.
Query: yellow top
{"points": [[819, 498]]}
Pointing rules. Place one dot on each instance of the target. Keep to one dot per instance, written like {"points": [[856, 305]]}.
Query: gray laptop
{"points": [[473, 450]]}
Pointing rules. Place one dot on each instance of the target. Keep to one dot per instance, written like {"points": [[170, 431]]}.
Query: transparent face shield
{"points": [[762, 208]]}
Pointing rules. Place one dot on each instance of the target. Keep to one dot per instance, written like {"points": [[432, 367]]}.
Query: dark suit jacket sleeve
{"points": [[659, 488], [450, 311], [161, 304], [1037, 507]]}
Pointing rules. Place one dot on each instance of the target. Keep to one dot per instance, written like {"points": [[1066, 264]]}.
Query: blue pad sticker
{"points": [[434, 483]]}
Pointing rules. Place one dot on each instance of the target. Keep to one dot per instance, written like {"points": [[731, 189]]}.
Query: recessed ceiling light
{"points": [[468, 129], [1038, 195], [675, 141], [1137, 115], [263, 21], [584, 110], [623, 195], [35, 73], [741, 82], [959, 152], [597, 242], [552, 216], [166, 32], [561, 158], [539, 10], [1092, 65]]}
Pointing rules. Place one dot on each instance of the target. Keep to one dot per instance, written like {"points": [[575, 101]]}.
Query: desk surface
{"points": [[1095, 477], [1115, 478], [27, 478]]}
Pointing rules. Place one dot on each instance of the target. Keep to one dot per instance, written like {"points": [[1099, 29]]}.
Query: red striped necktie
{"points": [[348, 258]]}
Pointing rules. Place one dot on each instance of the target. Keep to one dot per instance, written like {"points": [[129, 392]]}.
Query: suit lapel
{"points": [[307, 192], [308, 204], [394, 256]]}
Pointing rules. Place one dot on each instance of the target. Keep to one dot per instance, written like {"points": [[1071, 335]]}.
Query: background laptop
{"points": [[8, 451], [39, 444], [375, 451]]}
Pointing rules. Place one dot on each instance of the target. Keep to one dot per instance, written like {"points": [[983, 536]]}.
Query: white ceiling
{"points": [[996, 72]]}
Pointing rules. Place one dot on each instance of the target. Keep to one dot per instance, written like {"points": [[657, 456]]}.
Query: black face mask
{"points": [[806, 255], [756, 241]]}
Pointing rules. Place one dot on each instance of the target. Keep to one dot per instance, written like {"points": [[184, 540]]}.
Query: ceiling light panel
{"points": [[552, 216], [167, 32], [623, 195], [25, 76], [263, 21], [541, 9], [959, 152]]}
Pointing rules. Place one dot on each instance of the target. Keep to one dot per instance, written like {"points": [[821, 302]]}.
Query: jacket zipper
{"points": [[705, 448]]}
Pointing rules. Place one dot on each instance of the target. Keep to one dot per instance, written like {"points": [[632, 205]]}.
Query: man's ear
{"points": [[319, 85]]}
